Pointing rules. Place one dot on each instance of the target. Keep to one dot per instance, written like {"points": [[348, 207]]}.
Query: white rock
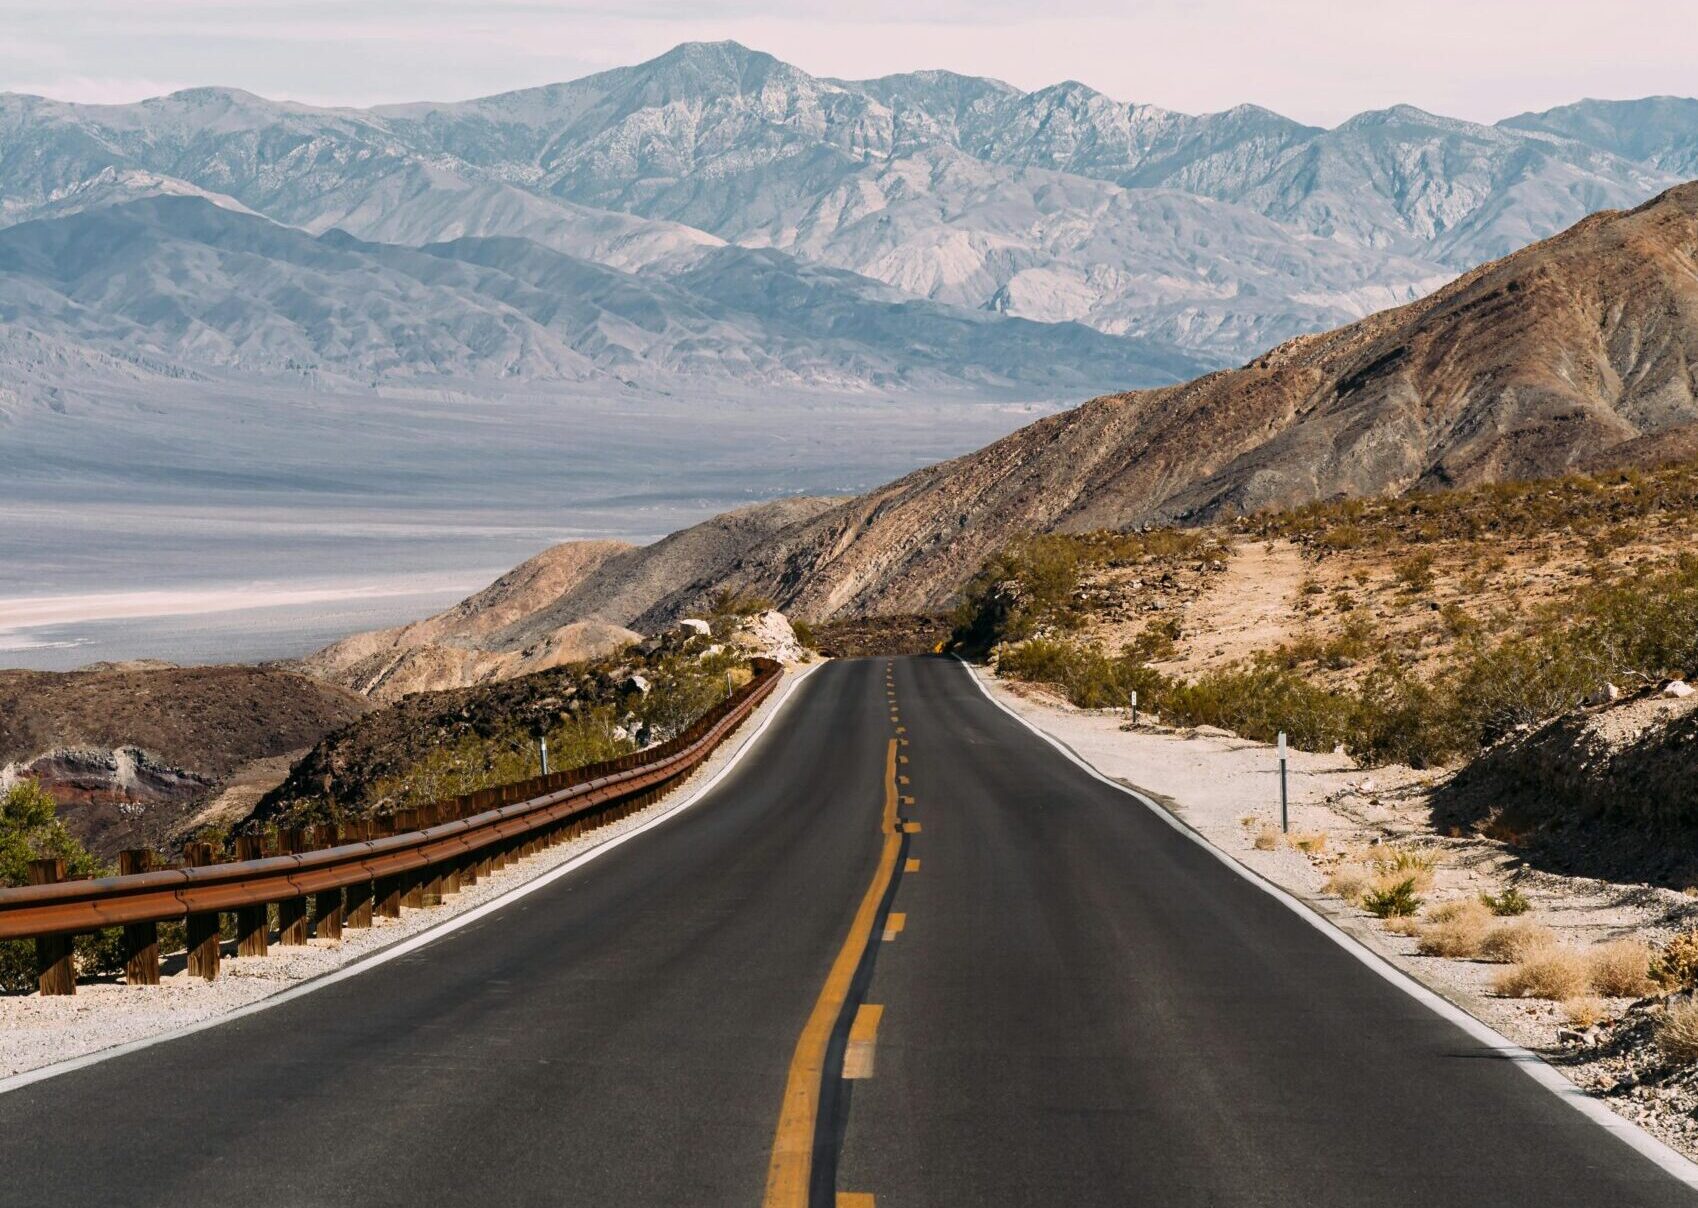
{"points": [[1603, 694], [696, 626], [1678, 688], [636, 683], [769, 634]]}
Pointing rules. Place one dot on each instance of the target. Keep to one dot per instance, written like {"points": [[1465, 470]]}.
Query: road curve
{"points": [[1074, 1005]]}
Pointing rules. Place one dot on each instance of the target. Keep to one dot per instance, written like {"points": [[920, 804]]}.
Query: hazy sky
{"points": [[1314, 60]]}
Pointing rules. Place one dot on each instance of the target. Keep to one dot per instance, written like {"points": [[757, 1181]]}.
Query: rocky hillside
{"points": [[460, 647], [131, 750], [578, 600], [1548, 359]]}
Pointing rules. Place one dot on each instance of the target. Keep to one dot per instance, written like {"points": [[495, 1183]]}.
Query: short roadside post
{"points": [[542, 744], [1284, 815], [1134, 706]]}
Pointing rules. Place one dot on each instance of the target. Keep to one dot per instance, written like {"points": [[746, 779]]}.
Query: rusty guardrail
{"points": [[414, 858]]}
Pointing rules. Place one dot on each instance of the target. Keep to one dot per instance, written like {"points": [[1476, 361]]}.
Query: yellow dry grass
{"points": [[1621, 968], [1310, 842], [1516, 941], [1267, 838], [1348, 881], [1585, 1011], [1556, 972], [1677, 1032], [1455, 929]]}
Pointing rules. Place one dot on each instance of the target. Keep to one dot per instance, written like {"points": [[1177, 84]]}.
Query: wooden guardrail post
{"points": [[430, 893], [141, 940], [357, 902], [55, 962], [204, 938], [389, 889], [412, 881], [252, 922], [291, 912], [327, 904]]}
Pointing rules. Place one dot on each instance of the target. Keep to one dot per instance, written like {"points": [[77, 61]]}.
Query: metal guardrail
{"points": [[376, 866]]}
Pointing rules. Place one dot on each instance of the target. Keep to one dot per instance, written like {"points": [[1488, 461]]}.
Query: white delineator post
{"points": [[1284, 816], [542, 746]]}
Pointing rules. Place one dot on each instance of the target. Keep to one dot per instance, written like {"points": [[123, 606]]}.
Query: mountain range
{"points": [[1203, 238]]}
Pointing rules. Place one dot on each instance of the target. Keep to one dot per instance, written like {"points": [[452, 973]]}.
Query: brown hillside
{"points": [[1545, 360]]}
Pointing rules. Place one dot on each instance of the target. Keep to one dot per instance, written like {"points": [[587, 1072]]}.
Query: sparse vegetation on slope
{"points": [[1412, 681], [440, 744]]}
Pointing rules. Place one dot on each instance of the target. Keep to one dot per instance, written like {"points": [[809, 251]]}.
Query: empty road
{"points": [[1043, 993]]}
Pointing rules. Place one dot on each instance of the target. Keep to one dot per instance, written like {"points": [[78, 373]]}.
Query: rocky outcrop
{"points": [[1606, 790]]}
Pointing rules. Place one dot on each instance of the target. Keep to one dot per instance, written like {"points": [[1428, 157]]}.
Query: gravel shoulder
{"points": [[103, 1014], [1227, 789]]}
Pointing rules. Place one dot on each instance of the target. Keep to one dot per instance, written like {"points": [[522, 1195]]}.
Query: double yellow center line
{"points": [[790, 1171]]}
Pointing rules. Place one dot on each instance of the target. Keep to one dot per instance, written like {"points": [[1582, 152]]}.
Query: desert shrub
{"points": [[1415, 571], [1156, 641], [1515, 942], [1519, 682], [1677, 1032], [1392, 898], [1348, 881], [1088, 678], [1267, 838], [1585, 1011], [805, 633], [30, 830], [1556, 972], [1258, 700], [1455, 929], [1029, 584], [1309, 842], [728, 607], [1507, 904], [1395, 861], [1676, 965], [1621, 968]]}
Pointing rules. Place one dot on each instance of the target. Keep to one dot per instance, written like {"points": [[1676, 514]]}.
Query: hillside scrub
{"points": [[430, 746], [1636, 627]]}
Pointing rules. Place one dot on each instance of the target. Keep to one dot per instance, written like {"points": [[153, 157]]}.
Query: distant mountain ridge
{"points": [[181, 280], [1218, 233]]}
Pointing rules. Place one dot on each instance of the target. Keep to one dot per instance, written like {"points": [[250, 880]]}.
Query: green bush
{"points": [[1510, 902], [1397, 900], [30, 830]]}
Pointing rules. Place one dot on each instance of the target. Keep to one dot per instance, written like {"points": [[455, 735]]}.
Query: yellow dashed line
{"points": [[911, 866], [893, 925], [863, 1042]]}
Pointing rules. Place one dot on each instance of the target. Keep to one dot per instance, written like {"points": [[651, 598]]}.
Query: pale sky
{"points": [[1314, 60]]}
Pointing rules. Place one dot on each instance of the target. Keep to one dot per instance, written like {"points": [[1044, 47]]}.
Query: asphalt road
{"points": [[1079, 1007]]}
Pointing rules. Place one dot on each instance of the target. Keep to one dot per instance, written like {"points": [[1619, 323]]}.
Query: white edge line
{"points": [[1671, 1160], [413, 943]]}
